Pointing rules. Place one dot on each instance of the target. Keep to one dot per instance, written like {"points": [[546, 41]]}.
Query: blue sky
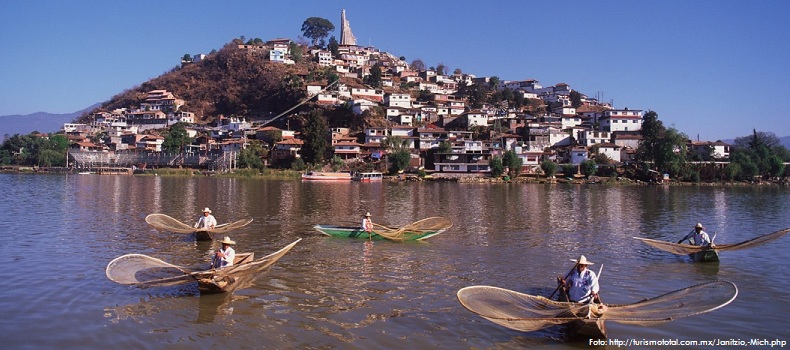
{"points": [[711, 69]]}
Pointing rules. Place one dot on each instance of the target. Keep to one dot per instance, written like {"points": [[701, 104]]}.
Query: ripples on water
{"points": [[61, 231]]}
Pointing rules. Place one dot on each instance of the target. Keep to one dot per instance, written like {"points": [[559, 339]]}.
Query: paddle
{"points": [[566, 277], [597, 278]]}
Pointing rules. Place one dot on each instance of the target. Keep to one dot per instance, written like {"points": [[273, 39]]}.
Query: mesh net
{"points": [[167, 223], [682, 249], [524, 312], [431, 224], [143, 269]]}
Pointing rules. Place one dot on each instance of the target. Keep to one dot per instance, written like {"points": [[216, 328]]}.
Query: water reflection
{"points": [[341, 293]]}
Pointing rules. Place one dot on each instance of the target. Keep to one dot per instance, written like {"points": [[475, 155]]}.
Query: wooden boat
{"points": [[356, 232], [711, 253], [143, 270], [326, 176], [528, 313], [368, 177], [167, 223]]}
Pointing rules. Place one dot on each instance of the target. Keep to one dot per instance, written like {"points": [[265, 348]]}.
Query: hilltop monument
{"points": [[346, 37]]}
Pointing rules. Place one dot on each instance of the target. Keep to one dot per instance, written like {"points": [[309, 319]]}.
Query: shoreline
{"points": [[269, 174]]}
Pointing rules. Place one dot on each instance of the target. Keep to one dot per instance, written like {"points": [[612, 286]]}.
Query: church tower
{"points": [[346, 37]]}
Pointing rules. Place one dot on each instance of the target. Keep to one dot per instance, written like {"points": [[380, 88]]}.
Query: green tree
{"points": [[374, 78], [445, 147], [176, 138], [316, 29], [549, 168], [441, 69], [759, 154], [576, 99], [400, 153], [298, 164], [512, 161], [589, 167], [337, 163], [252, 156], [296, 52], [315, 133], [497, 166], [333, 46], [651, 131], [732, 171], [418, 65]]}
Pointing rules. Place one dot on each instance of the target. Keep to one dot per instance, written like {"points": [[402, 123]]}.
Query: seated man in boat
{"points": [[224, 257], [207, 221], [581, 285], [699, 236], [367, 223]]}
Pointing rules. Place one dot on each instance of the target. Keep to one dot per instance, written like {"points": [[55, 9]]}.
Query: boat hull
{"points": [[592, 328], [326, 176], [705, 256], [203, 235], [356, 232]]}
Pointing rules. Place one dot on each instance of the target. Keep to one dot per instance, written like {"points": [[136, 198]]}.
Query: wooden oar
{"points": [[598, 278], [566, 277]]}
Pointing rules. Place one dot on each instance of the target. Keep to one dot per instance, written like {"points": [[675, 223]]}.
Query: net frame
{"points": [[684, 249], [434, 223], [524, 312], [168, 223]]}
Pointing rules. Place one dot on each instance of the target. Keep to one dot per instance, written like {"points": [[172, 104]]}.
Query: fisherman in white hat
{"points": [[367, 223], [224, 257], [207, 221], [699, 236], [581, 284]]}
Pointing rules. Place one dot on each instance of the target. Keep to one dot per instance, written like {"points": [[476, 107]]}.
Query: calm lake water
{"points": [[60, 231]]}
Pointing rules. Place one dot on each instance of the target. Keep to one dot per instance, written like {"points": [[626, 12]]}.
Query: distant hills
{"points": [[40, 121]]}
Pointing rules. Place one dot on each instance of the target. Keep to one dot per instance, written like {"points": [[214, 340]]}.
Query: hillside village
{"points": [[425, 107]]}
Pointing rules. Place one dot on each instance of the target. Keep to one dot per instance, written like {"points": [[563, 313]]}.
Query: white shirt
{"points": [[230, 255], [700, 238], [367, 224], [582, 285], [206, 222]]}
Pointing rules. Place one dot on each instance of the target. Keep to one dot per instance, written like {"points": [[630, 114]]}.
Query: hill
{"points": [[231, 81]]}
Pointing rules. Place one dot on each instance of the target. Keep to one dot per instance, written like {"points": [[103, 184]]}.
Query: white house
{"points": [[621, 120], [610, 150], [476, 118], [589, 138], [398, 100]]}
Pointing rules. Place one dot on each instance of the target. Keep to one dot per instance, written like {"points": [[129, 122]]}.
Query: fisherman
{"points": [[207, 221], [224, 257], [581, 284], [700, 237], [367, 223]]}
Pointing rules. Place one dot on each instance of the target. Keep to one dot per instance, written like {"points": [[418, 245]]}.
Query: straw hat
{"points": [[227, 240], [207, 210], [582, 261], [698, 225], [367, 214]]}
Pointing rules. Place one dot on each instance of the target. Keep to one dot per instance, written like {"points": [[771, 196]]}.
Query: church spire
{"points": [[346, 37]]}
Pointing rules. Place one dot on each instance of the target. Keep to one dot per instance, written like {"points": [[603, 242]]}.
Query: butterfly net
{"points": [[528, 313], [167, 223], [682, 249], [143, 269], [431, 224]]}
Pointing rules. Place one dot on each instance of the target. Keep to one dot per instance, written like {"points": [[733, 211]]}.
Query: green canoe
{"points": [[356, 232]]}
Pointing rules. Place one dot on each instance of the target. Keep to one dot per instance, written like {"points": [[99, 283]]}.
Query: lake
{"points": [[61, 231]]}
